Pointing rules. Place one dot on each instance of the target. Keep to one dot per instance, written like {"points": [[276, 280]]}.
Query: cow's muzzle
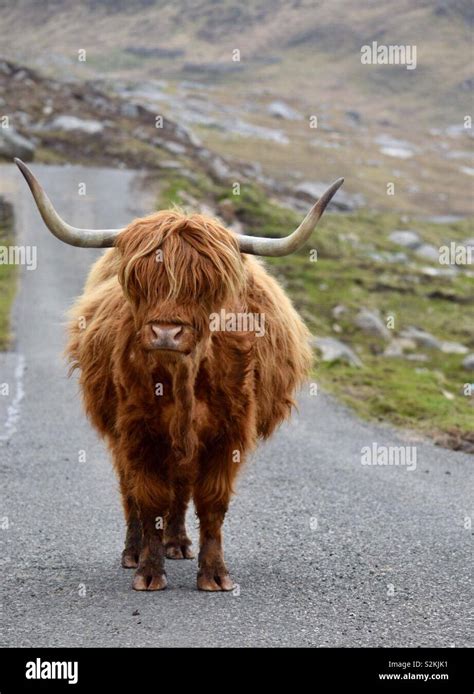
{"points": [[174, 337]]}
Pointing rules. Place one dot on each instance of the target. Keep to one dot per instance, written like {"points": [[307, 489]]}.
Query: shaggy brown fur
{"points": [[180, 425]]}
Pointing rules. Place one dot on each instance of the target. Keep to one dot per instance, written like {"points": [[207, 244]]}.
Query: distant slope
{"points": [[303, 52], [314, 43]]}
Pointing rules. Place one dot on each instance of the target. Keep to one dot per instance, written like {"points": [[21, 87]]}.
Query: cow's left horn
{"points": [[257, 245], [85, 238]]}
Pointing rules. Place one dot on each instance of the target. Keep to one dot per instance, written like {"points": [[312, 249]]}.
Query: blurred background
{"points": [[248, 111]]}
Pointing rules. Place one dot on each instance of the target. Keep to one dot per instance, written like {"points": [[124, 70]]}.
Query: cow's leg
{"points": [[152, 498], [212, 492], [177, 542], [133, 538]]}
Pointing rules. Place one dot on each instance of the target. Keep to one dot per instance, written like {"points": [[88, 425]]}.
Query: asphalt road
{"points": [[326, 551]]}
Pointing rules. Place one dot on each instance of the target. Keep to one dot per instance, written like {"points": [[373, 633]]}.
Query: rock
{"points": [[12, 144], [353, 117], [428, 252], [129, 109], [170, 164], [278, 109], [70, 123], [6, 214], [393, 147], [385, 257], [212, 68], [157, 52], [468, 362], [173, 147], [444, 219], [407, 239], [453, 348], [335, 350], [23, 119], [416, 357], [245, 129], [371, 323], [439, 271], [311, 192], [339, 310], [421, 337], [219, 169], [398, 346]]}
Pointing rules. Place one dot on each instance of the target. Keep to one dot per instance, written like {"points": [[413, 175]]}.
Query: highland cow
{"points": [[179, 402]]}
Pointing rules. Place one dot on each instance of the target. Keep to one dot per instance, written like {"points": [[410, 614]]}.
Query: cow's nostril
{"points": [[175, 333]]}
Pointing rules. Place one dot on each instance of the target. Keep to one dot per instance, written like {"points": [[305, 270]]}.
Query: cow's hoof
{"points": [[214, 582], [129, 559], [144, 581], [175, 550]]}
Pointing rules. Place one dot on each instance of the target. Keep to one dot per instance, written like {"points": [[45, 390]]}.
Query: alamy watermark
{"points": [[376, 454], [19, 255], [227, 321], [456, 254], [380, 54], [57, 670]]}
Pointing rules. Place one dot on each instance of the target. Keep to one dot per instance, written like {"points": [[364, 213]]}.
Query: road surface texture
{"points": [[325, 551]]}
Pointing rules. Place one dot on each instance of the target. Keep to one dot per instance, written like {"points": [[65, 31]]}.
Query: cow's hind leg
{"points": [[177, 542]]}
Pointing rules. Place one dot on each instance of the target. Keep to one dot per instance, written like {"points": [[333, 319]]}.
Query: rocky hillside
{"points": [[91, 123], [247, 78]]}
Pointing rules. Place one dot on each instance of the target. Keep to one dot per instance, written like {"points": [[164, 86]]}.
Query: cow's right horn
{"points": [[85, 238], [256, 245]]}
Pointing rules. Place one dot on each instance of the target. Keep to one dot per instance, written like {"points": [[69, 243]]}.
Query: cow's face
{"points": [[176, 271]]}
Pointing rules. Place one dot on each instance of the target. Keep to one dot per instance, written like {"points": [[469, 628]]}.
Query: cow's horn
{"points": [[256, 245], [86, 238]]}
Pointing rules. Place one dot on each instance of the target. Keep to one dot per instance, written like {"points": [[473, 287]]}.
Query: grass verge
{"points": [[8, 274]]}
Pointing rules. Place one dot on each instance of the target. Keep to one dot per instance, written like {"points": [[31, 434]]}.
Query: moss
{"points": [[8, 275]]}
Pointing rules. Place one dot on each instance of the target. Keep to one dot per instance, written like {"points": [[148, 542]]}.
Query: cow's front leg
{"points": [[133, 538], [211, 501], [153, 502]]}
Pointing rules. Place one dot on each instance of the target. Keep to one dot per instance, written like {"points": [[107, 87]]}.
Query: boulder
{"points": [[70, 123], [421, 338], [371, 323], [398, 346], [468, 362], [310, 191], [428, 252], [335, 350], [407, 239], [278, 109], [12, 144], [453, 348]]}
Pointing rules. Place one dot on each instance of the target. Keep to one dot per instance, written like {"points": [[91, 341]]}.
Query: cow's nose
{"points": [[166, 336]]}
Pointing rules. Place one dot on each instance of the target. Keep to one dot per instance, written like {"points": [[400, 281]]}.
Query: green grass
{"points": [[427, 396], [8, 275]]}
